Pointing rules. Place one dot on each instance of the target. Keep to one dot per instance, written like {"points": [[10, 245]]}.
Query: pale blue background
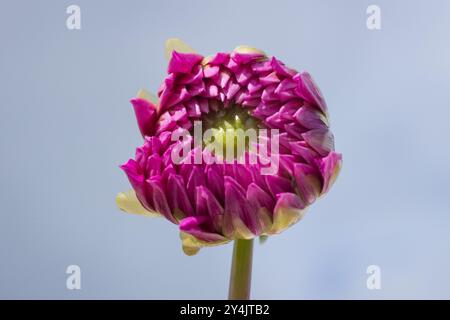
{"points": [[66, 125]]}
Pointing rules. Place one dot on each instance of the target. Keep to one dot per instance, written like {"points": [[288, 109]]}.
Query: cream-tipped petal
{"points": [[285, 218], [192, 245], [128, 202], [148, 96], [175, 44], [206, 60], [248, 49]]}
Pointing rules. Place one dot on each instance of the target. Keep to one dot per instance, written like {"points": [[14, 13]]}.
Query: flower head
{"points": [[214, 202]]}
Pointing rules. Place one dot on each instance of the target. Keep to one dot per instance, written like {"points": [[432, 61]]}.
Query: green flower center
{"points": [[229, 128]]}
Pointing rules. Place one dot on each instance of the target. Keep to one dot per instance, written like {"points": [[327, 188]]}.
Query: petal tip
{"points": [[175, 44]]}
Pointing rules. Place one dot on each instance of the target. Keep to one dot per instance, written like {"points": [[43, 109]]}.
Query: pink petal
{"points": [[183, 62], [145, 113]]}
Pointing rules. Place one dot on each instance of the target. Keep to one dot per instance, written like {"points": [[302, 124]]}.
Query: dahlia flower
{"points": [[214, 202]]}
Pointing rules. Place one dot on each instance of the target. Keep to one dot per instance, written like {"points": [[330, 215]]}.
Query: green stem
{"points": [[241, 270]]}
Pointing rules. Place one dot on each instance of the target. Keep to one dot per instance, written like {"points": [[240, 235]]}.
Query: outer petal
{"points": [[321, 140], [311, 118], [329, 167], [248, 50], [145, 112], [263, 204], [159, 198], [278, 185], [144, 94], [136, 180], [308, 182], [191, 244], [288, 211], [308, 90], [177, 197], [175, 44], [183, 62], [239, 219], [128, 202]]}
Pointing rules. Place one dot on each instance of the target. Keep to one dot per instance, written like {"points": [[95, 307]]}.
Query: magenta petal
{"points": [[145, 115], [278, 185], [183, 62], [242, 175], [136, 179], [294, 130], [254, 86], [321, 140], [243, 77], [159, 198], [311, 118], [237, 207], [286, 84], [220, 58], [270, 79], [211, 71], [223, 78], [308, 182], [281, 69], [207, 203], [165, 123], [308, 90], [168, 170], [259, 198], [329, 168], [177, 196], [262, 67], [153, 166], [214, 180], [244, 58], [195, 179], [233, 88], [287, 164], [302, 149], [196, 227], [289, 200]]}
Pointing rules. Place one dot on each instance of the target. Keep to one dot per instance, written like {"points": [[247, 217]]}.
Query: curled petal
{"points": [[281, 69], [195, 227], [132, 170], [308, 90], [207, 203], [177, 197], [183, 62], [248, 50], [145, 112], [195, 179], [144, 94], [321, 140], [289, 209], [220, 58], [311, 118], [175, 44], [329, 168], [128, 202], [302, 149], [278, 184], [308, 182], [159, 198], [244, 58], [192, 244], [259, 198], [239, 218]]}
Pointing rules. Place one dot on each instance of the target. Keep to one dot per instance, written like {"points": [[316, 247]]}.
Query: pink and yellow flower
{"points": [[214, 203]]}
